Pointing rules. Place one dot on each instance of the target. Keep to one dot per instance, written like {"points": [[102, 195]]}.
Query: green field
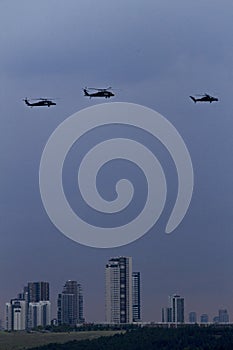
{"points": [[22, 340]]}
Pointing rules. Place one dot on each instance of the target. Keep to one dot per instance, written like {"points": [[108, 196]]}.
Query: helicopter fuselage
{"points": [[40, 103], [205, 98], [106, 94]]}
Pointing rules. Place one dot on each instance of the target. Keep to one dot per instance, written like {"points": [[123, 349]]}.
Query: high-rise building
{"points": [[192, 317], [166, 314], [223, 316], [37, 291], [136, 296], [16, 315], [39, 314], [70, 304], [204, 318], [177, 308], [215, 319], [118, 290], [17, 311], [8, 317]]}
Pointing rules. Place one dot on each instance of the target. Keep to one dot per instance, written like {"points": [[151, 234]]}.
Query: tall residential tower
{"points": [[70, 304], [38, 291], [118, 279], [174, 313], [177, 308], [136, 296]]}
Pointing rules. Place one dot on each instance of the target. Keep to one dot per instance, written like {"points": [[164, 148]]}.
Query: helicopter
{"points": [[100, 92], [40, 102], [204, 98]]}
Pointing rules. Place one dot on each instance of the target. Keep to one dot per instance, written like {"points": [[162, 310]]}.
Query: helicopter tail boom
{"points": [[27, 103], [86, 92], [193, 98]]}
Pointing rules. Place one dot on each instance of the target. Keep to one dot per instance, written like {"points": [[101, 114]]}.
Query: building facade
{"points": [[223, 316], [204, 318], [192, 317], [136, 296], [16, 315], [70, 304], [37, 291], [39, 314], [118, 290], [166, 314], [177, 308]]}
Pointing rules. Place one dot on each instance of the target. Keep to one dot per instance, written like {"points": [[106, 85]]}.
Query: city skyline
{"points": [[70, 305], [152, 53]]}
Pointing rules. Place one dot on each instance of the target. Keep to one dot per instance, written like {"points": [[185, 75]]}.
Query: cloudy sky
{"points": [[152, 52]]}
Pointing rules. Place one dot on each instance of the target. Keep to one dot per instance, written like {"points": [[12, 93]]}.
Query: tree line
{"points": [[152, 338]]}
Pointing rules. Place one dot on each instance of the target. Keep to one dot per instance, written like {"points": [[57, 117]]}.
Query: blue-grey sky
{"points": [[155, 53]]}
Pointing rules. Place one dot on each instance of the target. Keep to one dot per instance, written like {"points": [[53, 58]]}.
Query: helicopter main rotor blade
{"points": [[205, 94], [44, 98], [99, 89], [92, 88]]}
